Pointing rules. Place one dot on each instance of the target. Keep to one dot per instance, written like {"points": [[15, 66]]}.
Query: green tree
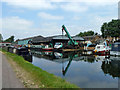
{"points": [[88, 33], [111, 28], [96, 33], [10, 39], [1, 38]]}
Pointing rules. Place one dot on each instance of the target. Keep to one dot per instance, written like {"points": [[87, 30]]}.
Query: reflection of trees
{"points": [[46, 55], [90, 59], [111, 67]]}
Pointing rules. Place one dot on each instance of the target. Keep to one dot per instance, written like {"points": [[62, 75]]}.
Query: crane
{"points": [[68, 35], [71, 42]]}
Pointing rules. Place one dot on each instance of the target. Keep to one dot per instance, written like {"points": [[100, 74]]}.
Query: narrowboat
{"points": [[116, 46]]}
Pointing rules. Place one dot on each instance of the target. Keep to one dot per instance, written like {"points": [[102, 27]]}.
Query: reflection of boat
{"points": [[102, 57], [99, 57], [87, 53], [44, 54], [58, 55], [47, 49], [115, 58], [115, 53]]}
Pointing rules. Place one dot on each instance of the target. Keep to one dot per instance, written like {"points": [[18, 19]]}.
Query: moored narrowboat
{"points": [[116, 46]]}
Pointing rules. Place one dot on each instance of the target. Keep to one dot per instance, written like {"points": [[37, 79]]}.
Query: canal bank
{"points": [[34, 77]]}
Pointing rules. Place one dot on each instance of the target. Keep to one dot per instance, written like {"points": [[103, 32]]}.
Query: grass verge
{"points": [[34, 77]]}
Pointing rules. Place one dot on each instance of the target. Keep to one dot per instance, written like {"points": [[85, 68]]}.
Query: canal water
{"points": [[95, 71]]}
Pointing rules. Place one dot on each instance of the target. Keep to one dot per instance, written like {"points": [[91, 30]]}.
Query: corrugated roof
{"points": [[66, 38], [25, 39], [78, 38], [38, 38], [47, 39], [61, 37]]}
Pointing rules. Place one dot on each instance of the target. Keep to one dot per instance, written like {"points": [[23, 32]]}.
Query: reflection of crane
{"points": [[71, 42], [68, 65]]}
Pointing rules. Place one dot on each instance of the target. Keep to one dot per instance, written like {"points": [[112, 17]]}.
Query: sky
{"points": [[28, 18]]}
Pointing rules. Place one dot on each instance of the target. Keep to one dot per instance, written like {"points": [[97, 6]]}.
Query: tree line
{"points": [[10, 39], [88, 33], [111, 28]]}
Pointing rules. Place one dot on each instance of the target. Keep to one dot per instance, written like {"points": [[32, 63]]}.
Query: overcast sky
{"points": [[27, 18]]}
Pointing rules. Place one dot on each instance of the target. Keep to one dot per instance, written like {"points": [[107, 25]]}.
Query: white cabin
{"points": [[2, 44]]}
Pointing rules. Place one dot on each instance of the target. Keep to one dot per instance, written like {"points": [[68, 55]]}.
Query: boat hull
{"points": [[101, 52]]}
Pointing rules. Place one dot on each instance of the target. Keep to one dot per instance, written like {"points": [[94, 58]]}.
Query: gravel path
{"points": [[9, 79]]}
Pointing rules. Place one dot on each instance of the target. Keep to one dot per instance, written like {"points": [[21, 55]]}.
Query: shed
{"points": [[24, 41], [4, 44]]}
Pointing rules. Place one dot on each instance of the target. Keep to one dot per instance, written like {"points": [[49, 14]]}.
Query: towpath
{"points": [[9, 79]]}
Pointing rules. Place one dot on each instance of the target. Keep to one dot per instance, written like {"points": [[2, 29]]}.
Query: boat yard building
{"points": [[24, 41], [38, 40], [54, 39]]}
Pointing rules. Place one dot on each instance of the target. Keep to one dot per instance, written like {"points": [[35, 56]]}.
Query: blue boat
{"points": [[116, 46]]}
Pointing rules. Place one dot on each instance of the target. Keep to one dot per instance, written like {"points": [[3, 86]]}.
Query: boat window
{"points": [[98, 47], [115, 45], [58, 44]]}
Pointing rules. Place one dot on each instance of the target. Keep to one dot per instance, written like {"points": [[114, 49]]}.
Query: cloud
{"points": [[74, 7], [84, 0], [49, 16], [119, 10], [93, 24], [22, 28], [16, 23], [76, 29], [15, 26], [31, 4], [51, 4], [76, 18], [90, 2], [97, 22], [51, 29]]}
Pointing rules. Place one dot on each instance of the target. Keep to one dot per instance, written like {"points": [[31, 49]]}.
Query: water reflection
{"points": [[27, 57], [82, 70], [111, 67]]}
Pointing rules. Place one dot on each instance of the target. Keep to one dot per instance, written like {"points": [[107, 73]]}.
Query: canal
{"points": [[95, 71]]}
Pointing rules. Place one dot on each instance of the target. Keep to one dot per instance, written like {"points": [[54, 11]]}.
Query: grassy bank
{"points": [[34, 77]]}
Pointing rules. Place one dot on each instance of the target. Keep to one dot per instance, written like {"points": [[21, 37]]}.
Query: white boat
{"points": [[101, 49], [58, 45]]}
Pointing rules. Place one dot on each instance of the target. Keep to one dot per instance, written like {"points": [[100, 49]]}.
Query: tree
{"points": [[96, 33], [111, 28], [11, 39], [88, 33], [1, 38]]}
